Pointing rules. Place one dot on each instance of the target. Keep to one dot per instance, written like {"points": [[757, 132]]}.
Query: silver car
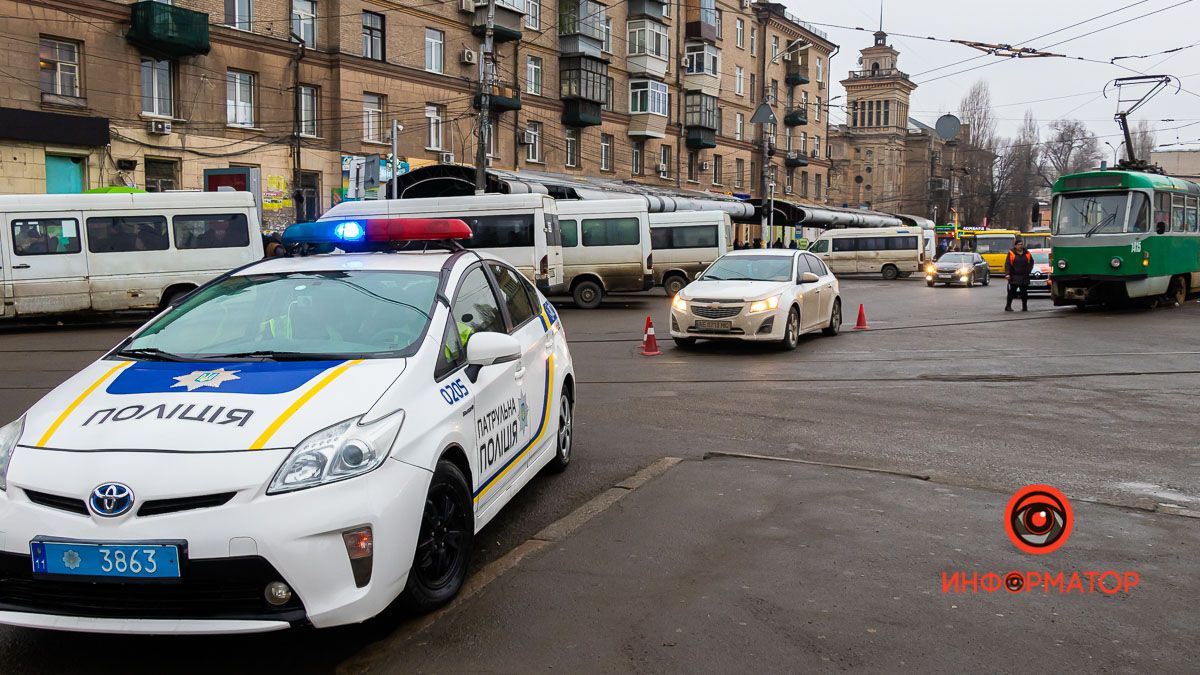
{"points": [[954, 267]]}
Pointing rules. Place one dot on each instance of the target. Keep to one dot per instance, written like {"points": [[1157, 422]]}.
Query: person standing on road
{"points": [[1017, 265]]}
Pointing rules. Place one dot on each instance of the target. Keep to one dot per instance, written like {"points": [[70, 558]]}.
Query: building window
{"points": [[373, 117], [533, 75], [59, 61], [533, 13], [239, 98], [817, 186], [717, 159], [693, 158], [774, 46], [820, 69], [887, 112], [304, 21], [774, 92], [609, 95], [608, 34], [606, 152], [637, 159], [579, 77], [816, 146], [720, 23], [156, 87], [647, 37], [161, 175], [739, 33], [739, 127], [533, 138], [817, 110], [667, 9], [239, 14], [572, 136], [664, 160], [435, 50], [493, 145], [753, 88], [739, 172], [803, 183], [804, 141], [753, 41], [787, 140], [720, 121], [739, 81], [434, 116], [372, 35], [308, 110], [702, 59], [699, 110], [648, 96], [788, 178]]}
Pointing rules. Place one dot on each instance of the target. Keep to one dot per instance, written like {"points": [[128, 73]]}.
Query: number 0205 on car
{"points": [[131, 561]]}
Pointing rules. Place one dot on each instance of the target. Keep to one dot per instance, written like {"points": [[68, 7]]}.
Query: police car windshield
{"points": [[750, 268], [296, 316]]}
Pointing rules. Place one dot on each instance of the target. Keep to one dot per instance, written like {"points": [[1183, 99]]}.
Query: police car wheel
{"points": [[791, 334], [566, 434], [444, 542]]}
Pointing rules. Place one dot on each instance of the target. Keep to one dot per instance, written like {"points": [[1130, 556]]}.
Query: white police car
{"points": [[300, 441]]}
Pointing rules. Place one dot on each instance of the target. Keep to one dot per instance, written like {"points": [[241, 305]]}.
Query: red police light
{"points": [[416, 229]]}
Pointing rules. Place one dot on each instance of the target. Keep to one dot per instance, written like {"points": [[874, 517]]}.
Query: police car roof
{"points": [[764, 251], [414, 261]]}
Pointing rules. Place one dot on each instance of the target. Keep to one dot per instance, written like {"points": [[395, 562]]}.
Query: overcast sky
{"points": [[1014, 82]]}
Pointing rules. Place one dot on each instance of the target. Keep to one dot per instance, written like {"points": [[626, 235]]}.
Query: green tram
{"points": [[1121, 236]]}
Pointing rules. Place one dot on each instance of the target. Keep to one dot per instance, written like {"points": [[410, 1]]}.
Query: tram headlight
{"points": [[1115, 262], [1062, 264]]}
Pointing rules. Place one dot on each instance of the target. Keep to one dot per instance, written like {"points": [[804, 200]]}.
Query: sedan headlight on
{"points": [[764, 305], [964, 271], [678, 303], [342, 451], [9, 435]]}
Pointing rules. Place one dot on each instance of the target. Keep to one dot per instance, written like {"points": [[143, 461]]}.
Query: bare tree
{"points": [[1144, 141], [977, 197], [1071, 148]]}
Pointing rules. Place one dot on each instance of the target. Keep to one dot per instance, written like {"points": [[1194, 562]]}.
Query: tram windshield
{"points": [[1101, 213]]}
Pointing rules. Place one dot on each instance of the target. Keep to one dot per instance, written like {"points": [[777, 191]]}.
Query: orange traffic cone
{"points": [[862, 319], [649, 344]]}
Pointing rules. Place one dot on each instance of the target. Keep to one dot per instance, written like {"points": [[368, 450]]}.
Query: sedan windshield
{"points": [[297, 316], [955, 258], [750, 268]]}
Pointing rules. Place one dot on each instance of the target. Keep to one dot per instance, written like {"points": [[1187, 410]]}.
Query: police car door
{"points": [[535, 376], [494, 390]]}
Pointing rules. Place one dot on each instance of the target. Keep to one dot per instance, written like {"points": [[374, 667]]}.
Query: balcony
{"points": [[796, 117], [702, 69], [877, 73], [647, 9], [701, 20], [795, 159], [797, 74], [583, 88], [579, 113], [699, 138], [581, 27], [510, 17], [504, 98], [166, 31]]}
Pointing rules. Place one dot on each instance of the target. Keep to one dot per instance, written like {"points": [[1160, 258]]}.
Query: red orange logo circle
{"points": [[1038, 519]]}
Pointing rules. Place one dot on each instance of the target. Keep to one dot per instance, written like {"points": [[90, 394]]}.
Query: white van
{"points": [[606, 248], [890, 251], [520, 229], [111, 252], [685, 243]]}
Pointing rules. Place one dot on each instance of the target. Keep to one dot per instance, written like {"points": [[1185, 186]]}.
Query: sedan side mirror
{"points": [[809, 278]]}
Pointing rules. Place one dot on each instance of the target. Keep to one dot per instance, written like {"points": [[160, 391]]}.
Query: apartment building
{"points": [[152, 94]]}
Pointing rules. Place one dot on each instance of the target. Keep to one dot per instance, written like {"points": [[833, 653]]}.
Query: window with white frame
{"points": [[774, 46], [816, 146], [720, 23], [637, 158], [239, 14], [804, 141], [820, 69], [648, 96], [702, 59], [239, 98], [739, 81], [435, 50], [59, 62], [609, 95], [434, 118], [753, 41], [156, 87], [606, 152], [308, 110], [373, 117], [304, 21], [788, 179], [533, 138], [572, 136], [533, 14], [608, 34], [739, 33], [493, 144], [664, 158], [693, 158], [533, 75], [739, 127], [647, 37], [739, 172], [667, 9]]}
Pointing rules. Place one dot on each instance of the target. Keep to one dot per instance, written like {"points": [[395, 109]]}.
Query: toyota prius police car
{"points": [[302, 440]]}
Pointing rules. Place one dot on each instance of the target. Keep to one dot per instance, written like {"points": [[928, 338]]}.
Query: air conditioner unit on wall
{"points": [[745, 4], [662, 168], [467, 56], [160, 127], [787, 56], [528, 138], [446, 157]]}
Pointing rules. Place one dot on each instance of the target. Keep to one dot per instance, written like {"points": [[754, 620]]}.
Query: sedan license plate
{"points": [[121, 561], [703, 324], [944, 275]]}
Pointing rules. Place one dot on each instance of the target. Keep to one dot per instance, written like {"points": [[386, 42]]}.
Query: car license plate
{"points": [[703, 324], [123, 561], [944, 275]]}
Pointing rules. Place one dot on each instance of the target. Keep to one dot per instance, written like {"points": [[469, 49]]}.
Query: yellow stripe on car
{"points": [[334, 374], [80, 399], [541, 433]]}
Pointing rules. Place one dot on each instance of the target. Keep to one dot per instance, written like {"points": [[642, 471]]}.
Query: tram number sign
{"points": [[1135, 247]]}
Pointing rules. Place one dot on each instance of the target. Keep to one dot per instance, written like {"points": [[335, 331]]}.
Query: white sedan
{"points": [[301, 441], [758, 294]]}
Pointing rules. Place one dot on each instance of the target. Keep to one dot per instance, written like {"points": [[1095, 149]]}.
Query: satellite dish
{"points": [[947, 127]]}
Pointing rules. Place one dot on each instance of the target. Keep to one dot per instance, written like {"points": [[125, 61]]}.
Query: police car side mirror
{"points": [[486, 349]]}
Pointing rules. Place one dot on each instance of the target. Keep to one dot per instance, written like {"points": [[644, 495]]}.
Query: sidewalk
{"points": [[735, 565]]}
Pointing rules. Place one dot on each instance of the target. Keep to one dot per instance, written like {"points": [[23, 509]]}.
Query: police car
{"points": [[300, 441]]}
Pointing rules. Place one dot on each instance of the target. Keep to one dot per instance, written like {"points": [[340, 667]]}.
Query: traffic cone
{"points": [[649, 344], [862, 319]]}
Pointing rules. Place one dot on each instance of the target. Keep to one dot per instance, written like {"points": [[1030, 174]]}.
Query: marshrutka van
{"points": [[889, 251], [62, 254], [685, 243], [606, 248], [520, 229]]}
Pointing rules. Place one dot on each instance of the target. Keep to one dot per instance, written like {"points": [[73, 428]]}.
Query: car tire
{"points": [[970, 281], [565, 435], [987, 278], [890, 272], [685, 343], [835, 319], [444, 541], [673, 284], [587, 295], [930, 284], [791, 331]]}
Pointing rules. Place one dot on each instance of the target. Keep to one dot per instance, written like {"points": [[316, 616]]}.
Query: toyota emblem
{"points": [[111, 500]]}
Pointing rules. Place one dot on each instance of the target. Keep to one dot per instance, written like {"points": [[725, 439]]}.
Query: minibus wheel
{"points": [[587, 294], [890, 272], [673, 284]]}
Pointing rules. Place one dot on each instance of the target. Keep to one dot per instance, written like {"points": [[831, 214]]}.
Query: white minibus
{"points": [[606, 248], [520, 229], [890, 251], [685, 243], [62, 254]]}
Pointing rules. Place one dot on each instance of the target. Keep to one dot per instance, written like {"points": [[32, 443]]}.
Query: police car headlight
{"points": [[342, 451], [9, 435]]}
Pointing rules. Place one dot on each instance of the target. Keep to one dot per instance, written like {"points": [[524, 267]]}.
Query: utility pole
{"points": [[764, 116], [297, 193], [395, 158], [487, 73]]}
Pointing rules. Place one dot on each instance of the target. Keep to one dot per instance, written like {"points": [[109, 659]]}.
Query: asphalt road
{"points": [[945, 384]]}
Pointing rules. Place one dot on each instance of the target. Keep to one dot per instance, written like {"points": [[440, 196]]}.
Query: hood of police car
{"points": [[733, 289], [204, 406]]}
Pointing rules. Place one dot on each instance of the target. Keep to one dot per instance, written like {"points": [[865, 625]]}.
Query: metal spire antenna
{"points": [[1150, 86]]}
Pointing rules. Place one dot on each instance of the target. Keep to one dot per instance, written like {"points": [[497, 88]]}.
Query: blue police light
{"points": [[350, 231], [376, 231]]}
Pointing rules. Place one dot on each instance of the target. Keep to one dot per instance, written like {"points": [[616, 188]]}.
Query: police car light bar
{"points": [[376, 231]]}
